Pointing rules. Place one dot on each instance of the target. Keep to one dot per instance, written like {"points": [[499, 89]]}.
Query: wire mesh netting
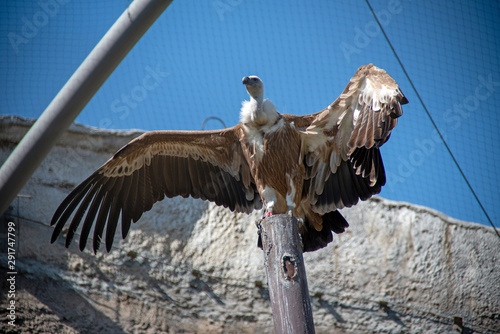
{"points": [[188, 66]]}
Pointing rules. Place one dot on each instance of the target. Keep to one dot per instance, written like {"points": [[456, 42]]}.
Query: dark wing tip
{"points": [[96, 243], [55, 234], [82, 245], [402, 98], [313, 240]]}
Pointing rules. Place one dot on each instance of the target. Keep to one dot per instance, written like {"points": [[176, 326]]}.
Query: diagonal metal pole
{"points": [[286, 275], [75, 95]]}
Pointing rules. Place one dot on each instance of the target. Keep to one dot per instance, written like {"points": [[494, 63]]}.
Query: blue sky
{"points": [[189, 66]]}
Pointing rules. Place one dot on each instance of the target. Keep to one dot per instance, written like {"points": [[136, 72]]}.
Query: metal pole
{"points": [[75, 95], [286, 275]]}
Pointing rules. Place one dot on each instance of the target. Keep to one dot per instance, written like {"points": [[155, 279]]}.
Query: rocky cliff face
{"points": [[189, 266]]}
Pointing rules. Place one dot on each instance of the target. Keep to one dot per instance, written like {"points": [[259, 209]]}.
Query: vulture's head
{"points": [[255, 87]]}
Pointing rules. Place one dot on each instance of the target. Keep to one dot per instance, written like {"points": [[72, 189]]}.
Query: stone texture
{"points": [[189, 266]]}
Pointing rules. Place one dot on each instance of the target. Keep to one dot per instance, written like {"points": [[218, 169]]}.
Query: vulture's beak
{"points": [[245, 80]]}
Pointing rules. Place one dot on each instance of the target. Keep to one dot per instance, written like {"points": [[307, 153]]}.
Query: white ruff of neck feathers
{"points": [[254, 113]]}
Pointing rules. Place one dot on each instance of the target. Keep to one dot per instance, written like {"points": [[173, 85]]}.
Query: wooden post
{"points": [[286, 275]]}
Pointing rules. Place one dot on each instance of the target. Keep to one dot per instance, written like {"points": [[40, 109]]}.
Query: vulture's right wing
{"points": [[203, 164]]}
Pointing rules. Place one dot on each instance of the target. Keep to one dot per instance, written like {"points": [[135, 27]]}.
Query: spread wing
{"points": [[342, 157], [202, 164]]}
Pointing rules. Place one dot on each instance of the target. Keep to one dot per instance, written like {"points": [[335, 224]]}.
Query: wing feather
{"points": [[91, 213], [204, 164], [183, 181], [130, 197], [346, 188], [126, 222], [194, 177], [168, 177], [104, 211], [89, 219], [158, 184], [112, 220], [67, 207], [80, 212]]}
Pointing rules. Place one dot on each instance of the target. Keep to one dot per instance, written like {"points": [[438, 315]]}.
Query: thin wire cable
{"points": [[432, 120]]}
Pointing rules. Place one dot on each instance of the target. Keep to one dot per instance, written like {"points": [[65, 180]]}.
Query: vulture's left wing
{"points": [[342, 158], [203, 164]]}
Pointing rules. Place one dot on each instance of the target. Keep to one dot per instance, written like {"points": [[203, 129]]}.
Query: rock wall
{"points": [[189, 266]]}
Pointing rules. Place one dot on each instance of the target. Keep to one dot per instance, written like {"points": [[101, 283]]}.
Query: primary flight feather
{"points": [[309, 166]]}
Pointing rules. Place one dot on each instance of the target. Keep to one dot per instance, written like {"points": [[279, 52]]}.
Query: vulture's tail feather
{"points": [[313, 240]]}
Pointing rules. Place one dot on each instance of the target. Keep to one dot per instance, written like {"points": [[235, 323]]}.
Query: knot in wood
{"points": [[289, 266]]}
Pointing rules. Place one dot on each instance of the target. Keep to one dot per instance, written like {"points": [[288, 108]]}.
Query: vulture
{"points": [[307, 166]]}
